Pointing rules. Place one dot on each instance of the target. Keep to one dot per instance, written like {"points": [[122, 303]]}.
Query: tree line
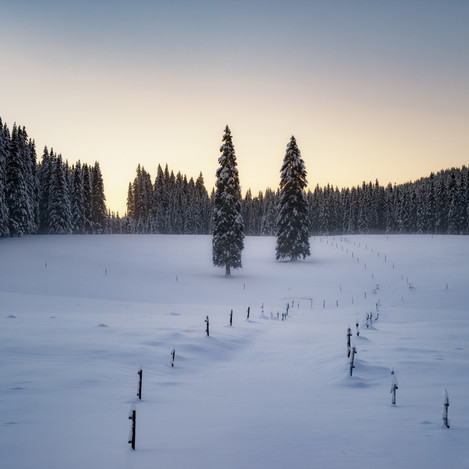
{"points": [[50, 196], [437, 204]]}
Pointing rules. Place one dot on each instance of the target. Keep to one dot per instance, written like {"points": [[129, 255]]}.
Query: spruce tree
{"points": [[87, 199], [228, 226], [60, 216], [99, 211], [78, 201], [17, 185], [292, 222], [4, 150]]}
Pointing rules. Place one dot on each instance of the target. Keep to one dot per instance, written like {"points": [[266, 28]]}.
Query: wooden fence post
{"points": [[207, 330], [140, 374], [445, 409], [394, 387], [352, 366], [133, 418]]}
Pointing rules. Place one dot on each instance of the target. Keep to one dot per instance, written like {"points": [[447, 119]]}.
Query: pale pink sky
{"points": [[370, 89]]}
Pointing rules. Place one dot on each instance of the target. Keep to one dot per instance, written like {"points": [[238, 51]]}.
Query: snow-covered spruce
{"points": [[292, 222], [228, 226]]}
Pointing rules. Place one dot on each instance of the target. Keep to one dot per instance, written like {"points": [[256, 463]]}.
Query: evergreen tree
{"points": [[45, 174], [159, 200], [60, 216], [202, 207], [17, 185], [99, 212], [269, 215], [4, 151], [292, 226], [78, 201], [228, 226], [88, 199]]}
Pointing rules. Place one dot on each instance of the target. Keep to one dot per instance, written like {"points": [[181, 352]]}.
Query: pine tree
{"points": [[60, 216], [292, 225], [203, 208], [78, 201], [17, 186], [87, 199], [99, 212], [4, 151], [45, 174], [228, 226]]}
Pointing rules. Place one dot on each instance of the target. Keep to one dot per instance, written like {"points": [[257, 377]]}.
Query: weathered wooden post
{"points": [[249, 310], [349, 334], [172, 357], [140, 374], [445, 410], [133, 418], [394, 387], [231, 318], [356, 326], [352, 358], [207, 330]]}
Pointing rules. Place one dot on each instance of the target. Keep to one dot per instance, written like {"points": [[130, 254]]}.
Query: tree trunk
{"points": [[227, 271]]}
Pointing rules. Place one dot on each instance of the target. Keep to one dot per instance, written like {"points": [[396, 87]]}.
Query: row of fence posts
{"points": [[172, 358], [352, 351]]}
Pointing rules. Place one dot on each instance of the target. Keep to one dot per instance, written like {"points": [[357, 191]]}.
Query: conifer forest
{"points": [[56, 197]]}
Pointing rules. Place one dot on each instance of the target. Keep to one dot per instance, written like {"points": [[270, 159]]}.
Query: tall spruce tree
{"points": [[17, 185], [292, 222], [4, 151], [60, 213], [228, 226], [98, 204]]}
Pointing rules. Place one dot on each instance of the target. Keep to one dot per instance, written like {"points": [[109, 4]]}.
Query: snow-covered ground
{"points": [[78, 314]]}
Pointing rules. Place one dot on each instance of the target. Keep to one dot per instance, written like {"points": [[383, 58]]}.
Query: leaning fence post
{"points": [[249, 310], [352, 366]]}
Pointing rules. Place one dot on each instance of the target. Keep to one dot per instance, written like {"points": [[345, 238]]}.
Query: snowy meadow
{"points": [[81, 315]]}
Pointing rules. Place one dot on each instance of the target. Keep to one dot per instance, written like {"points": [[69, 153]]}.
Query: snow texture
{"points": [[264, 393]]}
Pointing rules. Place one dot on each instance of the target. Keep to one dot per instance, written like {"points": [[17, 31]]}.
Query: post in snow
{"points": [[207, 330], [356, 326], [133, 418], [140, 378], [394, 387], [249, 310], [172, 357], [352, 358], [231, 318], [445, 409], [349, 334]]}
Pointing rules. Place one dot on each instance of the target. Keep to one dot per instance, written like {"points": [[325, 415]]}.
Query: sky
{"points": [[371, 89]]}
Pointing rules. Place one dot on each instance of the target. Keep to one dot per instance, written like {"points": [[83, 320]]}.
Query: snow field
{"points": [[78, 314]]}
